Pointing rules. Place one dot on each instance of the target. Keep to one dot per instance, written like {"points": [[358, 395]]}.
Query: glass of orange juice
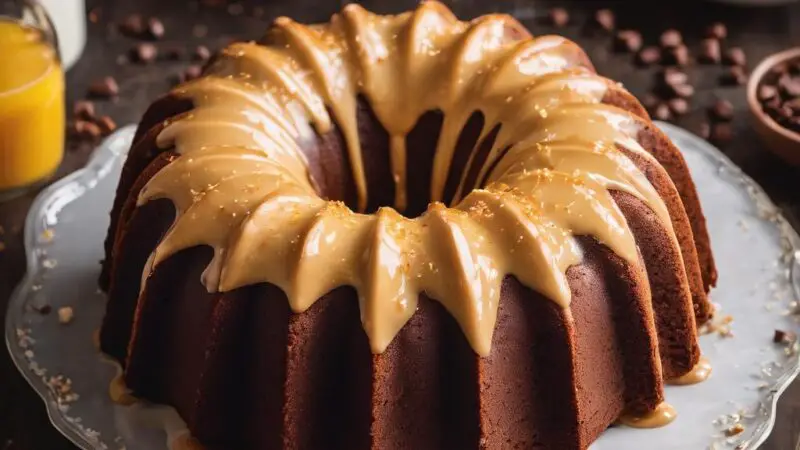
{"points": [[31, 99]]}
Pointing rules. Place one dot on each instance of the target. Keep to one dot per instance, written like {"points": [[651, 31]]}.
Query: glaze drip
{"points": [[242, 184]]}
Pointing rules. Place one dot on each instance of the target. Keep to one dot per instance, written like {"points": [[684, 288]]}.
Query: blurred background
{"points": [[124, 54]]}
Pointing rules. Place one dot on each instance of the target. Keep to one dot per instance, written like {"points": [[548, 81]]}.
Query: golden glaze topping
{"points": [[242, 184], [699, 373], [663, 415]]}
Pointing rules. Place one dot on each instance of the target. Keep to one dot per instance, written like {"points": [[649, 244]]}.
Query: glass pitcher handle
{"points": [[35, 15]]}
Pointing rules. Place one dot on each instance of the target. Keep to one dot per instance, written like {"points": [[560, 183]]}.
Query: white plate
{"points": [[754, 248]]}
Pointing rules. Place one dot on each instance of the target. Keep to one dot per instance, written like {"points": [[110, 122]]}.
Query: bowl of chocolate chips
{"points": [[773, 94]]}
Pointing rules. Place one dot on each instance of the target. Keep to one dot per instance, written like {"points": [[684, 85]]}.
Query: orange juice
{"points": [[31, 106]]}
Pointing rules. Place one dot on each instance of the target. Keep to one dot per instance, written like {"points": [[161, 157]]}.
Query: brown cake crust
{"points": [[246, 372]]}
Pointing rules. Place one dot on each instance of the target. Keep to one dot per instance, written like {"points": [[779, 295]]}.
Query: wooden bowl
{"points": [[779, 140]]}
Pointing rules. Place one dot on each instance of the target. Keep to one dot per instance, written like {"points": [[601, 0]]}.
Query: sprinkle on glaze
{"points": [[242, 184]]}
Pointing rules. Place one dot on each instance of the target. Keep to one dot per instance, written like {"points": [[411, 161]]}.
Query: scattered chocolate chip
{"points": [[133, 25], [106, 87], [789, 85], [734, 76], [685, 90], [122, 60], [662, 112], [672, 76], [558, 17], [192, 72], [721, 110], [145, 53], [721, 132], [199, 30], [84, 129], [704, 130], [628, 41], [258, 12], [735, 56], [202, 53], [95, 14], [650, 101], [784, 337], [678, 106], [107, 125], [767, 92], [235, 9], [717, 30], [649, 56], [43, 309], [710, 51], [678, 55], [671, 38], [794, 105], [84, 109], [174, 53], [155, 28], [605, 19]]}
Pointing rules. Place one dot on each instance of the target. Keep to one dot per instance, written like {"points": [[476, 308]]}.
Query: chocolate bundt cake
{"points": [[404, 232]]}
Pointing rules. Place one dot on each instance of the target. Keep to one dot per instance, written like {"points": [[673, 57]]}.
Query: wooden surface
{"points": [[23, 421]]}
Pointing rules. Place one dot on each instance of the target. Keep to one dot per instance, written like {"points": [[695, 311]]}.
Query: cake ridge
{"points": [[551, 116]]}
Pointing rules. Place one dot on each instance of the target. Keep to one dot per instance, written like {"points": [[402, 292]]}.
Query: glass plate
{"points": [[754, 246]]}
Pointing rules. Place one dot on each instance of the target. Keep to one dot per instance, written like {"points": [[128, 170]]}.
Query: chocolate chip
{"points": [[122, 60], [85, 129], [605, 19], [717, 30], [650, 101], [704, 130], [721, 132], [649, 56], [784, 337], [235, 9], [43, 309], [258, 12], [174, 53], [721, 110], [83, 109], [710, 51], [789, 85], [106, 87], [192, 72], [199, 30], [766, 92], [735, 56], [628, 41], [671, 38], [794, 105], [95, 14], [133, 25], [202, 53], [106, 124], [682, 90], [145, 53], [662, 112], [678, 106], [678, 55], [155, 28], [672, 76], [558, 17], [734, 76]]}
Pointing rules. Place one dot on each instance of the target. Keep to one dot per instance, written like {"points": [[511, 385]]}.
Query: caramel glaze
{"points": [[699, 373], [242, 184], [663, 415]]}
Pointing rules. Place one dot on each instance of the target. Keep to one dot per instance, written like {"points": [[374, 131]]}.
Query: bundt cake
{"points": [[404, 232]]}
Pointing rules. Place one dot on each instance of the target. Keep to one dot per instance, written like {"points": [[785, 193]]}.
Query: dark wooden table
{"points": [[23, 421]]}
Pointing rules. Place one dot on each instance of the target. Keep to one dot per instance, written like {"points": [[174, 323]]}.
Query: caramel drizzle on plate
{"points": [[242, 184]]}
